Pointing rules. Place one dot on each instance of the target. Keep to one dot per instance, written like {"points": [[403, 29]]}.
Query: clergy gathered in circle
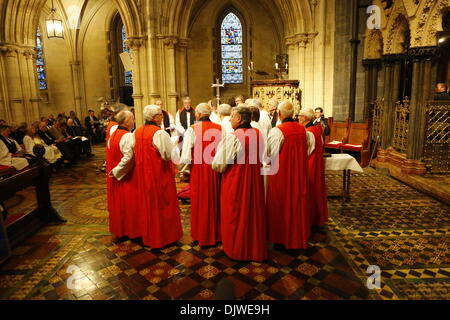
{"points": [[256, 175]]}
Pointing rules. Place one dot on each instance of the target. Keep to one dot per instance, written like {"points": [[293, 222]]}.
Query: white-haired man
{"points": [[214, 117], [288, 212], [120, 182], [112, 124], [185, 117], [264, 118], [199, 149], [316, 170], [168, 122], [157, 193], [224, 111], [272, 106], [242, 210]]}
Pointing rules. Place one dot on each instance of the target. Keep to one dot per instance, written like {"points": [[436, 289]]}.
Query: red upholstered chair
{"points": [[358, 141], [338, 134], [6, 171]]}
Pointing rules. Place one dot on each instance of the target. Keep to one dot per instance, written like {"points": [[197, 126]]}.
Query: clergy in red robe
{"points": [[122, 213], [156, 193], [316, 170], [199, 149], [242, 207], [112, 124], [287, 186]]}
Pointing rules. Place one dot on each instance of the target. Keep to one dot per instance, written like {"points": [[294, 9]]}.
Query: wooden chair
{"points": [[338, 134], [358, 141]]}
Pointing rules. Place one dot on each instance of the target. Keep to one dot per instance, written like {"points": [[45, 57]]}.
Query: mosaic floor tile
{"points": [[388, 224]]}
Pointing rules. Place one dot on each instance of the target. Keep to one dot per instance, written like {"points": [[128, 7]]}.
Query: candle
{"points": [[286, 66], [251, 63], [249, 68], [276, 65]]}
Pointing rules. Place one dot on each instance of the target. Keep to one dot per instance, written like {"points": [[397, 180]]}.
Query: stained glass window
{"points": [[40, 64], [231, 41], [128, 74]]}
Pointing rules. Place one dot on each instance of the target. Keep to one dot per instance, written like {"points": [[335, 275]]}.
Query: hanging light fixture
{"points": [[54, 25]]}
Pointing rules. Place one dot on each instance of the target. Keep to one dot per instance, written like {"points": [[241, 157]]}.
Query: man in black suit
{"points": [[92, 124], [320, 119], [63, 147], [441, 92], [76, 121], [75, 134]]}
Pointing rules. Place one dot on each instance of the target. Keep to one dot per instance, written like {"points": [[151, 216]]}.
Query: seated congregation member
{"points": [[76, 122], [75, 133], [316, 172], [123, 219], [68, 155], [92, 124], [168, 123], [11, 154], [52, 154], [287, 153], [50, 119], [200, 144], [19, 133], [242, 203], [156, 198]]}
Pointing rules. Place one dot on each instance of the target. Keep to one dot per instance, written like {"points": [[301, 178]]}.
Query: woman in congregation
{"points": [[52, 154]]}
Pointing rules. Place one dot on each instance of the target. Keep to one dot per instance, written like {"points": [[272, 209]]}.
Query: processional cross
{"points": [[218, 85]]}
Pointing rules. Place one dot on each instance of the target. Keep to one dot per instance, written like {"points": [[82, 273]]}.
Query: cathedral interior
{"points": [[380, 70]]}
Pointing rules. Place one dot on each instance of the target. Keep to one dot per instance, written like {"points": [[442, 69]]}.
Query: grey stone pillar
{"points": [[422, 79]]}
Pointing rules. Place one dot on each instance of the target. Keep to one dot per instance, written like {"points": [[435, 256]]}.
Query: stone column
{"points": [[183, 47], [387, 123], [422, 79], [16, 99], [392, 79], [75, 67], [370, 83], [171, 84], [135, 43], [5, 111], [32, 78]]}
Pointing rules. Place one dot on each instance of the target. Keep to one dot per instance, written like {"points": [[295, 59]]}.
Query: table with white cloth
{"points": [[345, 163]]}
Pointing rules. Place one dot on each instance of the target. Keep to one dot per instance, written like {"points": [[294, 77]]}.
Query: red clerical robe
{"points": [[121, 213], [287, 190], [243, 213], [111, 124], [156, 192], [205, 186], [318, 190]]}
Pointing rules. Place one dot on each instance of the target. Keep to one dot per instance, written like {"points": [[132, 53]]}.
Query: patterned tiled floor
{"points": [[402, 231]]}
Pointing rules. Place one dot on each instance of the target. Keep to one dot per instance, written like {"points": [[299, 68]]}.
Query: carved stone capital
{"points": [[184, 42], [394, 58], [134, 43], [423, 53], [301, 39]]}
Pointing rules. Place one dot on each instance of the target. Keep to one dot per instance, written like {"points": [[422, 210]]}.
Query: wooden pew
{"points": [[25, 226], [338, 134], [358, 141]]}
